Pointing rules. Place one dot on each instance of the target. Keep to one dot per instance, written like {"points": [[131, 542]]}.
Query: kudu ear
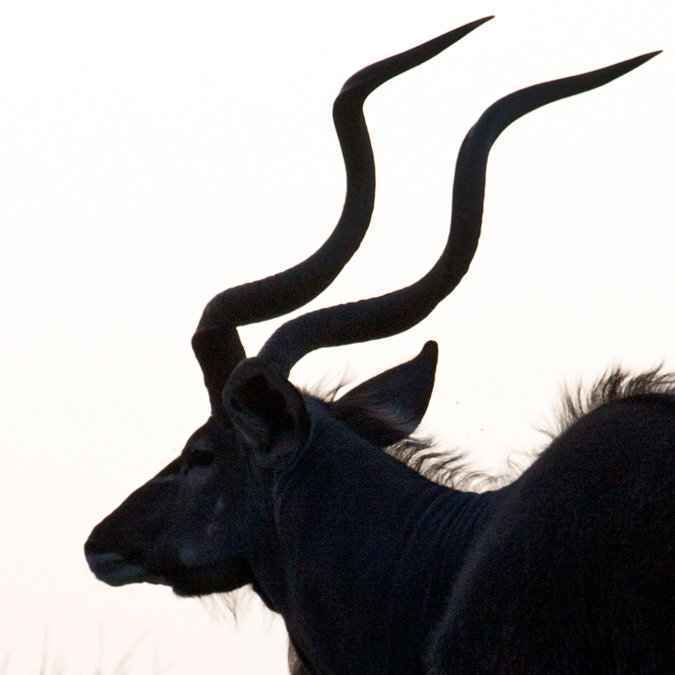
{"points": [[266, 408], [389, 407]]}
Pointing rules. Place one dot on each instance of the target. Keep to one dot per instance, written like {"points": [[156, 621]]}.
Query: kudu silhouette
{"points": [[376, 568]]}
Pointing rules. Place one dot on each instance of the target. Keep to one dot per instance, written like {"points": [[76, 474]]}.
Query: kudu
{"points": [[375, 568]]}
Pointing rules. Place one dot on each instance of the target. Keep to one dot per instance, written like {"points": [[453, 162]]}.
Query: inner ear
{"points": [[389, 407], [265, 403], [265, 406]]}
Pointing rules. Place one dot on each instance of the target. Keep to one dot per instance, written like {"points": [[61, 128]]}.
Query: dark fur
{"points": [[646, 643], [654, 633], [379, 565]]}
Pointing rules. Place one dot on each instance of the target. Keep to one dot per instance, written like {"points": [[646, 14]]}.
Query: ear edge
{"points": [[264, 406], [389, 407]]}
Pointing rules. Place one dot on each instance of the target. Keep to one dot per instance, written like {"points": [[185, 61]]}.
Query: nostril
{"points": [[95, 551]]}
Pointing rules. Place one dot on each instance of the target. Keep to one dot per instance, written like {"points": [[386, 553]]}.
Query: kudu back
{"points": [[321, 506]]}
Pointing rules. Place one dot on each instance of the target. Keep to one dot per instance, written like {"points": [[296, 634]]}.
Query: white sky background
{"points": [[153, 154]]}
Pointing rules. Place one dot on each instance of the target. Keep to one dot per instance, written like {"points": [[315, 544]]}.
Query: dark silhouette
{"points": [[376, 567]]}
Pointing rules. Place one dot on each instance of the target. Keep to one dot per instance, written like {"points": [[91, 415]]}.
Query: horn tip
{"points": [[430, 350]]}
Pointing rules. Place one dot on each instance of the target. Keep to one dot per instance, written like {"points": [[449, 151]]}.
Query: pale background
{"points": [[154, 153]]}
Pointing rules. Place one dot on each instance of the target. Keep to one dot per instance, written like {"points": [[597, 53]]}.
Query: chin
{"points": [[194, 582]]}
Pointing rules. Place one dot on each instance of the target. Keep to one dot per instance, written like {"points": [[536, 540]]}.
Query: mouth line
{"points": [[114, 570]]}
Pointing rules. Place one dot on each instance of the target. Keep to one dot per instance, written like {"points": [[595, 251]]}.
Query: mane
{"points": [[616, 384], [450, 467]]}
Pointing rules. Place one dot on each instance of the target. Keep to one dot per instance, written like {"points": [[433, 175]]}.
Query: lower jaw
{"points": [[114, 570]]}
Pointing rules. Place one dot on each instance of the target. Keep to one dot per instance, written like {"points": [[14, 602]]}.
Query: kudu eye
{"points": [[197, 458]]}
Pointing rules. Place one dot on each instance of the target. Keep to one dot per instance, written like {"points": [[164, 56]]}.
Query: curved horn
{"points": [[216, 342], [395, 312]]}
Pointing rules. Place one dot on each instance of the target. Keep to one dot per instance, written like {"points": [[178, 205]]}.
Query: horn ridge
{"points": [[216, 342], [400, 310]]}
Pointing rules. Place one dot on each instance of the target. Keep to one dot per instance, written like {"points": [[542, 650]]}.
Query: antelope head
{"points": [[209, 521]]}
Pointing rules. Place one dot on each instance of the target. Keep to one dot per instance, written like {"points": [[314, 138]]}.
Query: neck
{"points": [[366, 552]]}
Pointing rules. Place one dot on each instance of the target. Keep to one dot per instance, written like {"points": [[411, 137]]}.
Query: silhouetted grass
{"points": [[53, 665]]}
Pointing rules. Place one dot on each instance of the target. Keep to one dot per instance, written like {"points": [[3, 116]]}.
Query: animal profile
{"points": [[322, 504]]}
